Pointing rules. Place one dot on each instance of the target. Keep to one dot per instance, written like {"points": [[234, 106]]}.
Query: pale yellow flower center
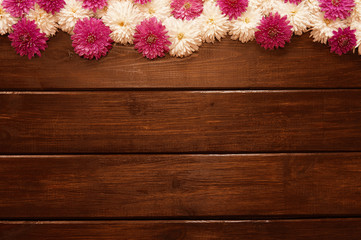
{"points": [[187, 5], [247, 20], [327, 21], [180, 36], [121, 24]]}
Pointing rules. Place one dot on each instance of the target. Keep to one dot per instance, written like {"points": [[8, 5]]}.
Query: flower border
{"points": [[178, 27]]}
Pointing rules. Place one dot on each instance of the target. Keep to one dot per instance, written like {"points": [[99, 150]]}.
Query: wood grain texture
{"points": [[173, 186], [330, 229], [180, 122], [228, 64]]}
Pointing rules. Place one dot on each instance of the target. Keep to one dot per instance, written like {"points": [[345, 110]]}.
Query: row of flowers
{"points": [[177, 27]]}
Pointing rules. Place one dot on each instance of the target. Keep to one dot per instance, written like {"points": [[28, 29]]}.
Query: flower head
{"points": [[233, 8], [94, 4], [274, 31], [185, 37], [91, 38], [264, 6], [187, 9], [45, 21], [156, 8], [122, 17], [343, 41], [244, 27], [6, 21], [322, 28], [298, 15], [215, 24], [17, 8], [27, 38], [337, 8], [151, 38], [51, 6], [70, 14]]}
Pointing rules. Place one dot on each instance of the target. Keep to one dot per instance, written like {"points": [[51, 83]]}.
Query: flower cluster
{"points": [[178, 27]]}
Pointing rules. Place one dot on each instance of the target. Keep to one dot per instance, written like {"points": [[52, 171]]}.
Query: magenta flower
{"points": [[91, 38], [51, 6], [274, 31], [187, 9], [294, 1], [142, 1], [94, 4], [27, 39], [233, 8], [337, 8], [151, 38], [342, 41], [18, 8]]}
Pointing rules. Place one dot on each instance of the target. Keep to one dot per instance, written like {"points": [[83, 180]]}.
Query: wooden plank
{"points": [[330, 229], [180, 122], [168, 186], [229, 64]]}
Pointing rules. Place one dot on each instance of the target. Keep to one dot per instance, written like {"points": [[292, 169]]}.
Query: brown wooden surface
{"points": [[163, 121], [326, 229], [228, 64], [132, 118], [188, 186]]}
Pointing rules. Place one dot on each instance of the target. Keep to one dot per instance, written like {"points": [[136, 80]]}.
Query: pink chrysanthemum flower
{"points": [[27, 39], [293, 1], [274, 31], [51, 6], [337, 8], [91, 38], [151, 38], [342, 41], [187, 9], [142, 1], [17, 8], [233, 8], [94, 4]]}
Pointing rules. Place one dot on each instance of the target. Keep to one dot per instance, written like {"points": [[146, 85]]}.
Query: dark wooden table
{"points": [[234, 142]]}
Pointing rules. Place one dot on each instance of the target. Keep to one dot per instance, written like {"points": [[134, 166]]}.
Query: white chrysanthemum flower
{"points": [[46, 22], [265, 6], [185, 36], [313, 6], [122, 17], [70, 14], [6, 21], [244, 27], [298, 15], [214, 24], [156, 8], [322, 28]]}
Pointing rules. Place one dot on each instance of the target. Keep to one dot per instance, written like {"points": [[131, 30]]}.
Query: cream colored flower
{"points": [[6, 21], [244, 27], [185, 37], [214, 24], [298, 15], [70, 14], [156, 8], [46, 22], [122, 17], [322, 28]]}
